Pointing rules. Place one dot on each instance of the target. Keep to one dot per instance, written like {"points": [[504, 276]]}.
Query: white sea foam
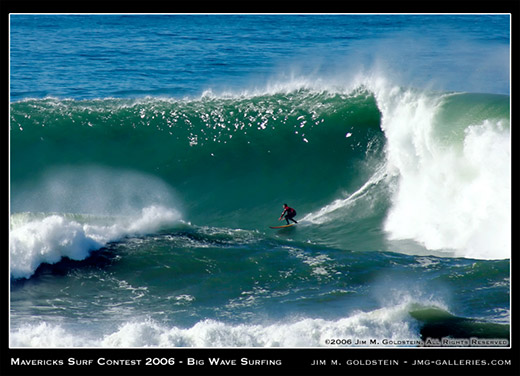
{"points": [[392, 323], [449, 196], [452, 197], [68, 212], [48, 238]]}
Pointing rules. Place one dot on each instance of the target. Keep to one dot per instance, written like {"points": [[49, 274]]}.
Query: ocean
{"points": [[149, 154]]}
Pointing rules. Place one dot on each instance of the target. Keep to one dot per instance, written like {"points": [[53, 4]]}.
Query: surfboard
{"points": [[285, 226]]}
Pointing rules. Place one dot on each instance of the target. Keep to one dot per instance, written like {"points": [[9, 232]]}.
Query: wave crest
{"points": [[49, 238]]}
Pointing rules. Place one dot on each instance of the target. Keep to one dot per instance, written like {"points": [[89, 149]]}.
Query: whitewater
{"points": [[139, 217], [453, 188]]}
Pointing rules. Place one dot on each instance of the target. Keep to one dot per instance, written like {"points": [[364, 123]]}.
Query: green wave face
{"points": [[232, 156]]}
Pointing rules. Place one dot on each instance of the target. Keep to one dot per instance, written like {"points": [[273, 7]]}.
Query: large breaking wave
{"points": [[373, 167]]}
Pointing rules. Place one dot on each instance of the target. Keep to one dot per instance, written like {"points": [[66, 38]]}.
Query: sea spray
{"points": [[50, 238], [451, 193]]}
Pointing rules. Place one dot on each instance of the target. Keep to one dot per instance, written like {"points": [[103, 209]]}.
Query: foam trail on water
{"points": [[326, 213]]}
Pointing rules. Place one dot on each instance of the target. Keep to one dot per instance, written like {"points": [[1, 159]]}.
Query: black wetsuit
{"points": [[290, 214]]}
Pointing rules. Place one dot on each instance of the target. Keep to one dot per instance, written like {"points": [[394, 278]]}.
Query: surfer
{"points": [[290, 213]]}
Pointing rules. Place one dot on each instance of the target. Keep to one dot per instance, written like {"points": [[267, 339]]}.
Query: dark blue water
{"points": [[151, 153], [176, 55]]}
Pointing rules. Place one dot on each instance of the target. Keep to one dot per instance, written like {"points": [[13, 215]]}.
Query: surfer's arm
{"points": [[281, 216]]}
